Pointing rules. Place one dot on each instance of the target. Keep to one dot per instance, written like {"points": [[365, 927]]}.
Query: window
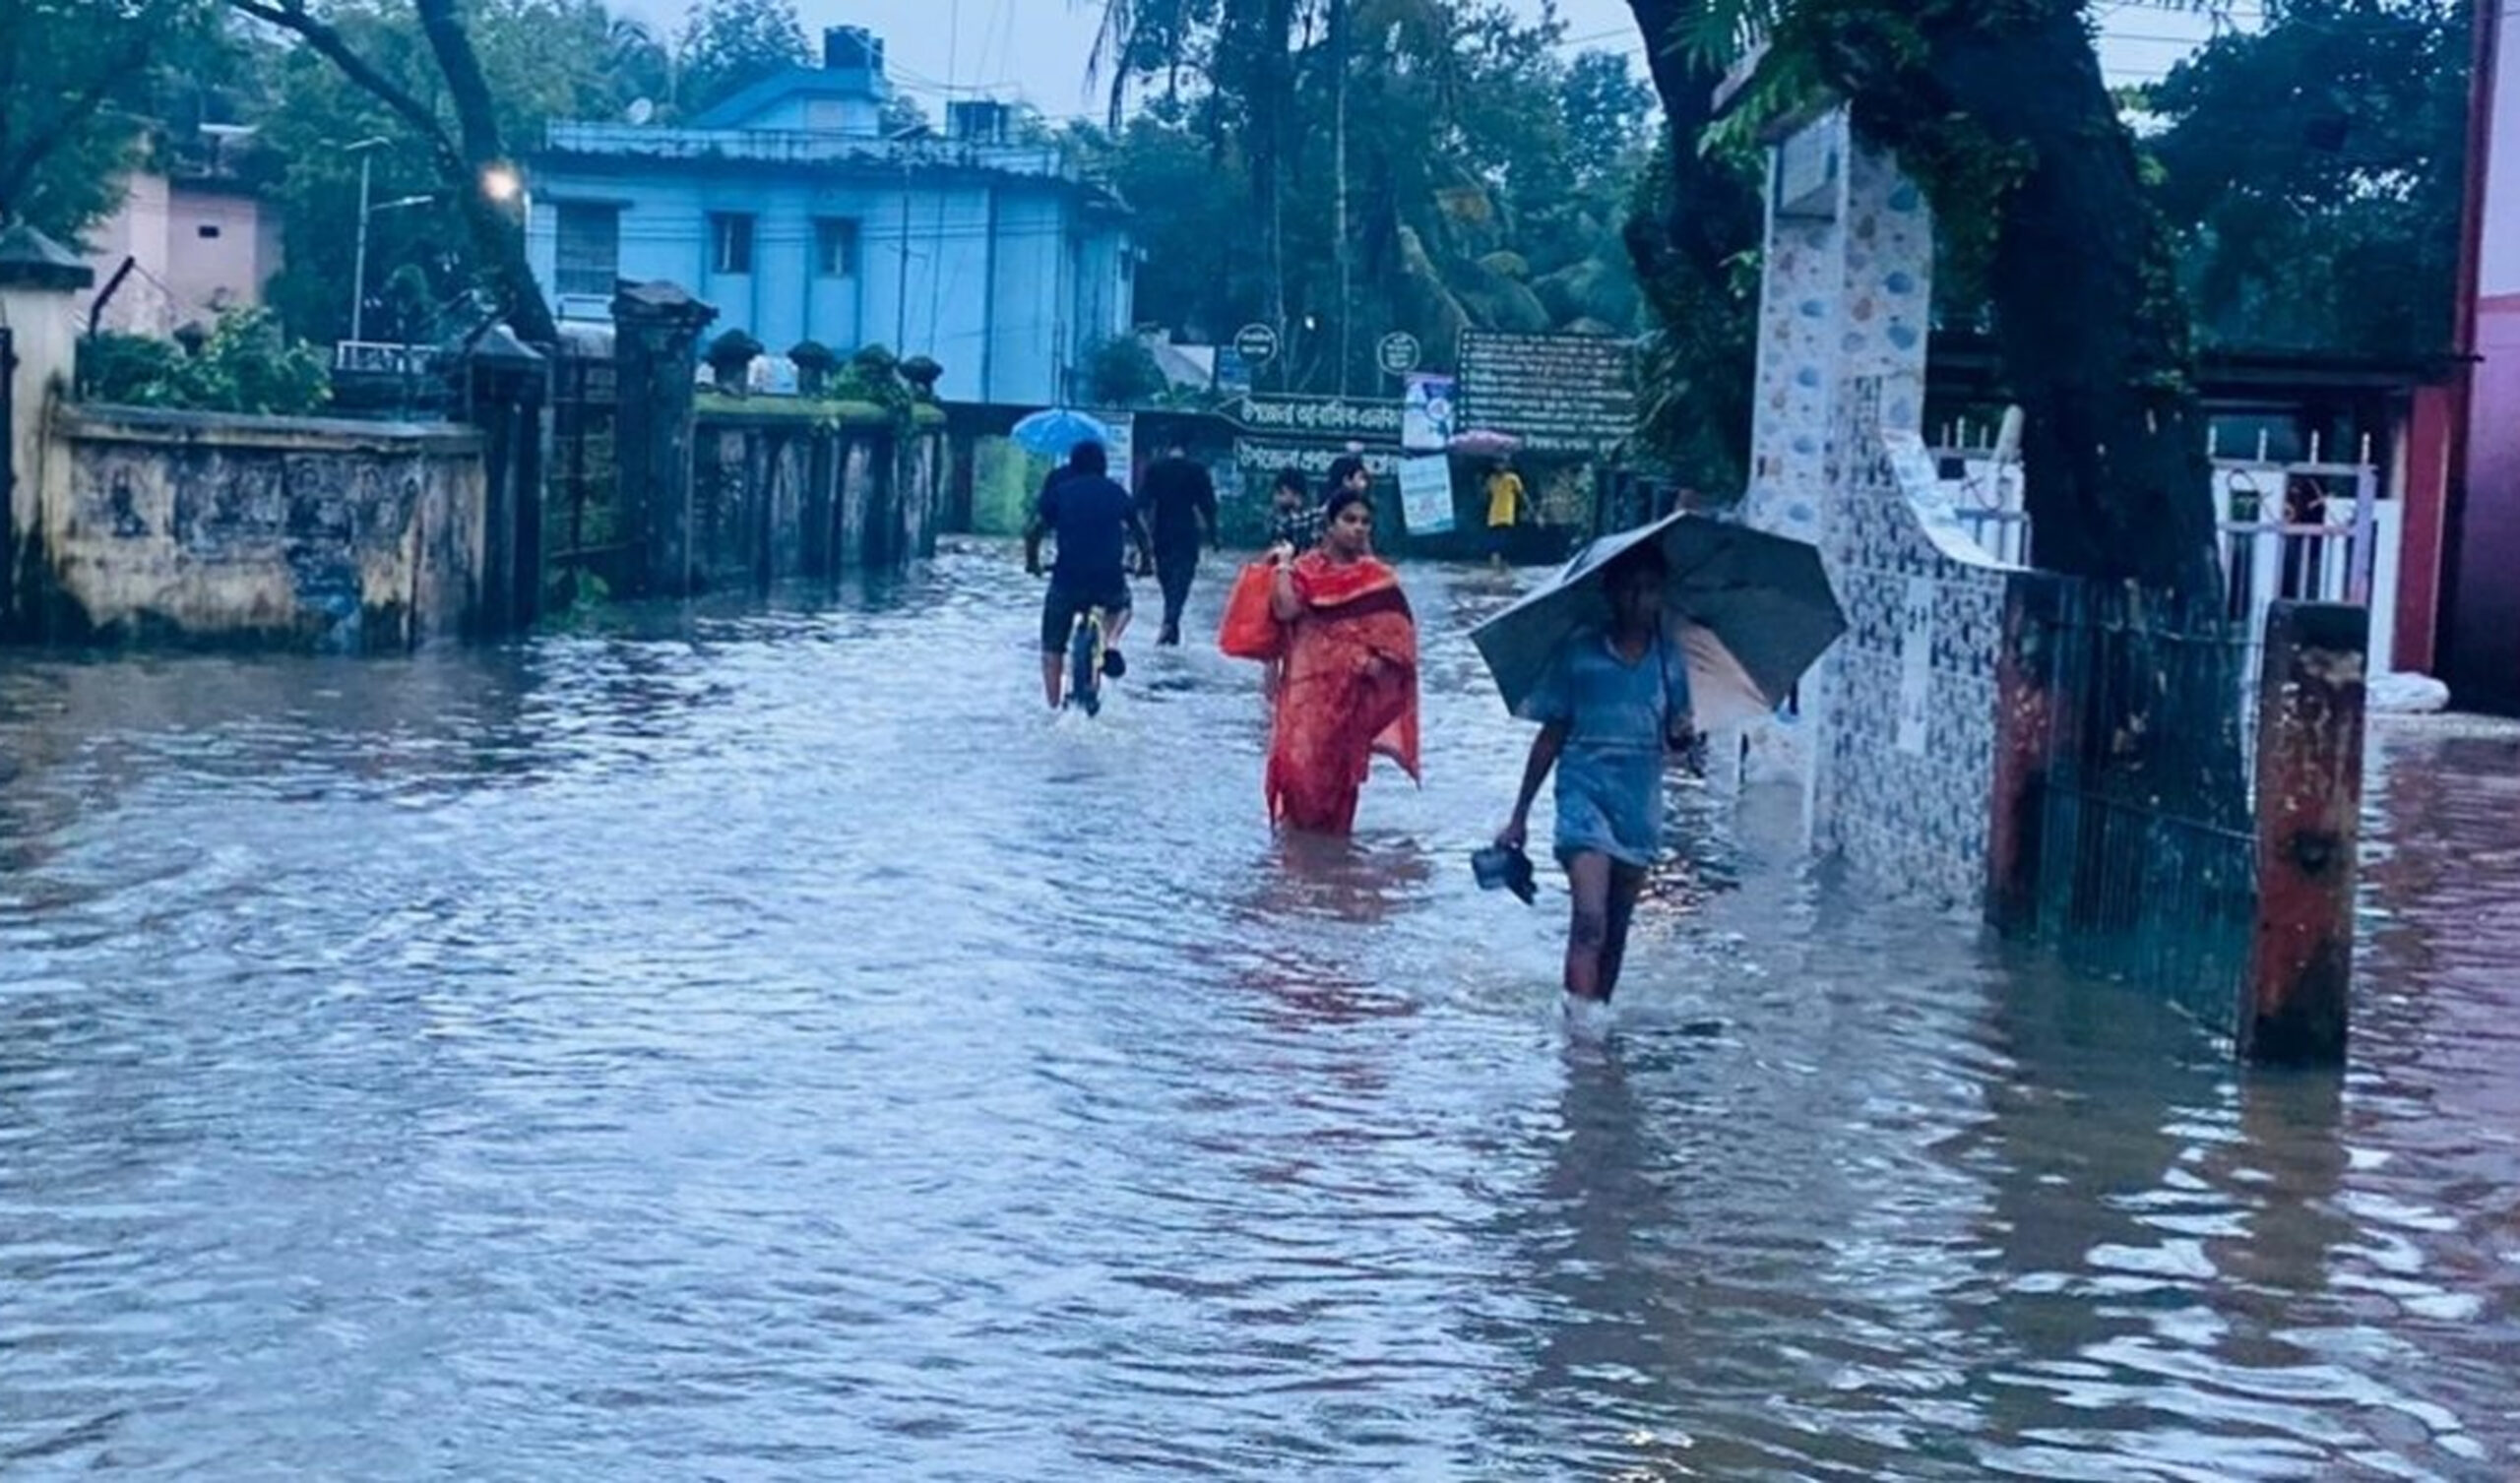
{"points": [[836, 248], [729, 244], [590, 249], [208, 232]]}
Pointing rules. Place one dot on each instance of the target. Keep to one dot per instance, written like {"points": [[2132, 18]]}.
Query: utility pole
{"points": [[1338, 184], [358, 272]]}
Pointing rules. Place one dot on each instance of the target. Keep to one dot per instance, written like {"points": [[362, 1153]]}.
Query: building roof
{"points": [[857, 84]]}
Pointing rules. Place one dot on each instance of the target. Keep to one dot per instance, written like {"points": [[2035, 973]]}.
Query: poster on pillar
{"points": [[1427, 494], [1121, 448], [1427, 421]]}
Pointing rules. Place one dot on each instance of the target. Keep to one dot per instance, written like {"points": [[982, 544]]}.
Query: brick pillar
{"points": [[2024, 743], [39, 285], [2309, 802], [655, 344], [506, 384]]}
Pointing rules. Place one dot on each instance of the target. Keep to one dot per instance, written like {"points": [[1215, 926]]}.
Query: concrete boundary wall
{"points": [[208, 528]]}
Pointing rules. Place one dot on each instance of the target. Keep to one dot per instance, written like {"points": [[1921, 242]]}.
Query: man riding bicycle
{"points": [[1095, 525]]}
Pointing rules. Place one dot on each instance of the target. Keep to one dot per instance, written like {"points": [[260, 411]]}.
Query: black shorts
{"points": [[1059, 609]]}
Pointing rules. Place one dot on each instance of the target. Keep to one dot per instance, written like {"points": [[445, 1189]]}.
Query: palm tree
{"points": [[2002, 114], [1246, 53]]}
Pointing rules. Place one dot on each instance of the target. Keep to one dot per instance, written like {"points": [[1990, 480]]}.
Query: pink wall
{"points": [[220, 251], [184, 273], [2483, 620], [2499, 256]]}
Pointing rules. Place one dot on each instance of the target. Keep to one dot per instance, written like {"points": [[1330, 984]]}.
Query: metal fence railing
{"points": [[2147, 840]]}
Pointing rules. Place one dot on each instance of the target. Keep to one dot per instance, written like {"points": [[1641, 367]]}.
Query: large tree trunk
{"points": [[2093, 333], [464, 157], [1338, 188], [1274, 96], [498, 227], [1684, 249], [2089, 319]]}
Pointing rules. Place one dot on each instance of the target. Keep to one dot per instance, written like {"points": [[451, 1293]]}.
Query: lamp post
{"points": [[359, 271], [359, 305]]}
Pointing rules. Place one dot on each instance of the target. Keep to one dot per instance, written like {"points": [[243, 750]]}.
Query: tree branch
{"points": [[17, 169], [292, 16]]}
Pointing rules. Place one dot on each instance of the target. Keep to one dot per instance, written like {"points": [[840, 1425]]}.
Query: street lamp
{"points": [[358, 275]]}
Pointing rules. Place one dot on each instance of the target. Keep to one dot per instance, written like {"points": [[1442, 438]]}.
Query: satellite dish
{"points": [[641, 110]]}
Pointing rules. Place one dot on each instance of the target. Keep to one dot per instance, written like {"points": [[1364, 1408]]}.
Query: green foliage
{"points": [[2313, 168], [870, 386], [1606, 112], [728, 45], [1485, 175], [1695, 238], [80, 81], [244, 365], [544, 59], [1121, 372]]}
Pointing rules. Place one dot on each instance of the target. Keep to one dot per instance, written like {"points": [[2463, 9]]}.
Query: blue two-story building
{"points": [[791, 208]]}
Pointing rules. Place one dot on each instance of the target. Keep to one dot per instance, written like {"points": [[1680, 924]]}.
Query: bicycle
{"points": [[1087, 656], [1090, 659]]}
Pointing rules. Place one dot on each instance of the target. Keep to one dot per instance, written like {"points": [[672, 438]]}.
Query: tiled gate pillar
{"points": [[1893, 736]]}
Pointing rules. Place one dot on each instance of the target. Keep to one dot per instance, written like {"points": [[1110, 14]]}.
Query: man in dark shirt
{"points": [[1095, 524], [1178, 502]]}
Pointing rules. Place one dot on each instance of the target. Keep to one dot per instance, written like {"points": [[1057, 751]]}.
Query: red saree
{"points": [[1349, 691]]}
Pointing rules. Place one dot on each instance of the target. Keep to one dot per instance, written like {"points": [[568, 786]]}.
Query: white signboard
{"points": [[1426, 414], [1427, 494], [1120, 449]]}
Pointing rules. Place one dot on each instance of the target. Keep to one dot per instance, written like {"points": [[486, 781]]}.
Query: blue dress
{"points": [[1609, 776]]}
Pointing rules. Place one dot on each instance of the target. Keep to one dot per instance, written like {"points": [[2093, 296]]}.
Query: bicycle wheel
{"points": [[1084, 665]]}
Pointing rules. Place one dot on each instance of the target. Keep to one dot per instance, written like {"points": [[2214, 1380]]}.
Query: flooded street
{"points": [[760, 1045]]}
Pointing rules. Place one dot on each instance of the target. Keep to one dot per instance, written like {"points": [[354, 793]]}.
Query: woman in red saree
{"points": [[1347, 686]]}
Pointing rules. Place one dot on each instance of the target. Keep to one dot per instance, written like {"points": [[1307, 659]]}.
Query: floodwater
{"points": [[756, 1044]]}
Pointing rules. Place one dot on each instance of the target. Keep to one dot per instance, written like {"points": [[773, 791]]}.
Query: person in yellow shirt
{"points": [[1504, 506]]}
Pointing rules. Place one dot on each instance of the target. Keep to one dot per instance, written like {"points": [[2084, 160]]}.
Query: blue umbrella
{"points": [[1053, 433]]}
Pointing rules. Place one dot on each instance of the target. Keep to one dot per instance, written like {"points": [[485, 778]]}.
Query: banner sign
{"points": [[1427, 494], [1563, 394]]}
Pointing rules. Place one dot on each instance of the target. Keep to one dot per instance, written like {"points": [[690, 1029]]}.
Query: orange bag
{"points": [[1251, 631]]}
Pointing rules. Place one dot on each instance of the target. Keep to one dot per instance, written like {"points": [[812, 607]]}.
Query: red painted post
{"points": [[2025, 737], [2309, 802]]}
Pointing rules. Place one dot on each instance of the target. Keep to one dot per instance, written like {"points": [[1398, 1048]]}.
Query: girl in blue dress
{"points": [[1614, 711]]}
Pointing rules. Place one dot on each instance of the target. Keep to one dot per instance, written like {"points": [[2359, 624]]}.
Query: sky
{"points": [[1035, 50]]}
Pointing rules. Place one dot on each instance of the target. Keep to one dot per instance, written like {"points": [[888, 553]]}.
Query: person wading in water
{"points": [[1615, 713], [1347, 688]]}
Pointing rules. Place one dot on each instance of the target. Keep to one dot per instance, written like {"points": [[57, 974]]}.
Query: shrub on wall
{"points": [[244, 364], [1122, 372]]}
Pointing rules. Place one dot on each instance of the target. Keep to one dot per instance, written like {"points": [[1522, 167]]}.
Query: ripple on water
{"points": [[754, 1043]]}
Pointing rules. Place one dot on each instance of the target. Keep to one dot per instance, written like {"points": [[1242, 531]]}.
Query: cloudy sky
{"points": [[1035, 49]]}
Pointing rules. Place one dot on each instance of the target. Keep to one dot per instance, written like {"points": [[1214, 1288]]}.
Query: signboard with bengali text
{"points": [[1427, 494], [1368, 422], [1559, 393]]}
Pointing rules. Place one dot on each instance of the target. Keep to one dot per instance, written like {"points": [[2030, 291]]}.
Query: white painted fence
{"points": [[2303, 530]]}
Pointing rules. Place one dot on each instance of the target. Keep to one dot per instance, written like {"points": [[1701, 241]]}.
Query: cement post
{"points": [[2024, 743], [655, 343], [506, 385], [2309, 800], [40, 285]]}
